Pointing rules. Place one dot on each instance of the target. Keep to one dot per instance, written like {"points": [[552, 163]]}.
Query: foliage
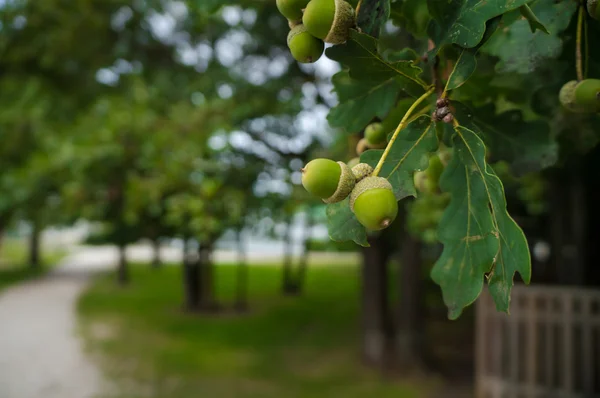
{"points": [[487, 87]]}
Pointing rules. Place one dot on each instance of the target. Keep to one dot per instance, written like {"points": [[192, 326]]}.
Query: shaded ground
{"points": [[286, 347]]}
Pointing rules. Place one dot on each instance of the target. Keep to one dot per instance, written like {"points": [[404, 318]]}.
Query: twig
{"points": [[578, 57], [402, 124]]}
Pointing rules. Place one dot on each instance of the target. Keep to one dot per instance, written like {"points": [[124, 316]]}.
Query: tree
{"points": [[447, 96]]}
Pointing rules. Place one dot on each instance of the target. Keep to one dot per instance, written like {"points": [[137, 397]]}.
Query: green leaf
{"points": [[209, 5], [534, 22], [479, 236], [343, 225], [411, 15], [360, 55], [372, 15], [463, 22], [360, 102], [408, 154], [527, 146], [523, 52], [467, 61]]}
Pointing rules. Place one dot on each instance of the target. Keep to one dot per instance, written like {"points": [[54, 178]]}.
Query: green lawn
{"points": [[13, 262], [284, 348]]}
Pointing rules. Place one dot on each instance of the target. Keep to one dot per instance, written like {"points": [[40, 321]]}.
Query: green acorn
{"points": [[373, 202], [361, 171], [328, 180], [581, 97], [445, 154], [362, 146], [305, 48], [593, 9], [427, 181], [292, 9], [329, 20], [375, 135], [353, 162]]}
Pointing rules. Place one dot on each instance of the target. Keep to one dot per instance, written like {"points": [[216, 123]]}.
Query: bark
{"points": [[156, 259], [410, 324], [191, 285], [123, 266], [207, 300], [241, 300], [287, 286], [303, 265], [34, 245], [376, 325]]}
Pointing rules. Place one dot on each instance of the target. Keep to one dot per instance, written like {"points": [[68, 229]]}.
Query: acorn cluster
{"points": [[371, 198], [314, 23]]}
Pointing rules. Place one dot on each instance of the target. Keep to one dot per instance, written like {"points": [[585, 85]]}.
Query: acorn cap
{"points": [[343, 20], [366, 184], [593, 9], [361, 171], [567, 96], [345, 185], [293, 24]]}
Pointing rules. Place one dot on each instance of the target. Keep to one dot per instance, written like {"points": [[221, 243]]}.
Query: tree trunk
{"points": [[303, 264], [156, 260], [410, 325], [241, 301], [34, 245], [123, 267], [287, 286], [207, 279], [191, 285], [376, 323]]}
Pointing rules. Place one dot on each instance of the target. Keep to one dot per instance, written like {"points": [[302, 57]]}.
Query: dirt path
{"points": [[40, 352]]}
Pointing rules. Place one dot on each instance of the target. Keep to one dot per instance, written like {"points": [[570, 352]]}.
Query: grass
{"points": [[284, 348], [13, 262]]}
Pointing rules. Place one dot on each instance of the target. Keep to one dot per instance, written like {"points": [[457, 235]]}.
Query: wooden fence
{"points": [[549, 346]]}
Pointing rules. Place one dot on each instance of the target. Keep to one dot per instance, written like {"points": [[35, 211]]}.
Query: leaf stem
{"points": [[578, 57], [402, 124], [358, 7], [587, 48]]}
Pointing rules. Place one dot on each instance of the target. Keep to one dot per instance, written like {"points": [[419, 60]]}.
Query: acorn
{"points": [[353, 162], [423, 183], [445, 155], [292, 9], [328, 180], [362, 146], [329, 20], [305, 48], [375, 135], [593, 9], [361, 171], [581, 97], [373, 203], [427, 181]]}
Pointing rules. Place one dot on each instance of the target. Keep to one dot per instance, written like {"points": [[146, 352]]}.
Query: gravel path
{"points": [[40, 352]]}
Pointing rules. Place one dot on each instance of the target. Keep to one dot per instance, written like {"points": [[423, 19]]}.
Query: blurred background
{"points": [[156, 240]]}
